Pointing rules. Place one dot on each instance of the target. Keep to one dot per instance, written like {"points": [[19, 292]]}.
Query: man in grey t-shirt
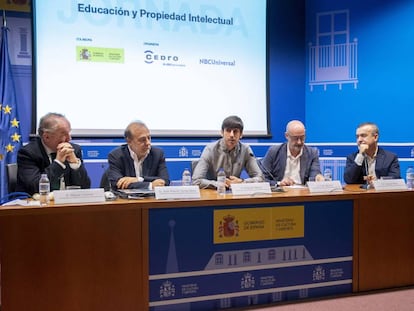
{"points": [[229, 154]]}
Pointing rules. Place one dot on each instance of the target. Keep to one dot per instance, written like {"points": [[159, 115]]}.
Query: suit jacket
{"points": [[121, 164], [386, 164], [32, 161], [274, 163]]}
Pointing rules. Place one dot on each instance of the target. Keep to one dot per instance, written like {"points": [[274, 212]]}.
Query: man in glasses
{"points": [[292, 162], [137, 164]]}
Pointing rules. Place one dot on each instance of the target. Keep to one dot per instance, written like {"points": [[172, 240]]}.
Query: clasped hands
{"points": [[290, 182], [370, 179], [233, 180], [65, 152], [124, 182]]}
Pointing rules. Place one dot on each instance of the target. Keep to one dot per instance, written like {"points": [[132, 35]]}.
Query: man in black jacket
{"points": [[137, 164], [370, 162], [53, 154]]}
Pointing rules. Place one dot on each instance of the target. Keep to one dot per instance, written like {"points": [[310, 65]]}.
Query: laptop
{"points": [[131, 193]]}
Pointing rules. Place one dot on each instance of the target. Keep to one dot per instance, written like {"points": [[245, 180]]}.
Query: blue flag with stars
{"points": [[10, 138]]}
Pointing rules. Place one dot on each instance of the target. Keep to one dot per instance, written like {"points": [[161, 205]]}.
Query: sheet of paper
{"points": [[22, 203]]}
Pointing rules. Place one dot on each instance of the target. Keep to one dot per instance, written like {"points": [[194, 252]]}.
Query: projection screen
{"points": [[179, 66]]}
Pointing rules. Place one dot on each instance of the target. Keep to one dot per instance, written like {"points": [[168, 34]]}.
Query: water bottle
{"points": [[62, 185], [186, 178], [327, 174], [409, 177], [221, 182], [44, 189]]}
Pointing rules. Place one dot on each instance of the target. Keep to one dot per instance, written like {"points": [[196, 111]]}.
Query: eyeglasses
{"points": [[296, 138]]}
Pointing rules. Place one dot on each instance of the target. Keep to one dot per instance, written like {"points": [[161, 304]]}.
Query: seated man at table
{"points": [[292, 162], [137, 164], [51, 153], [229, 154], [370, 162]]}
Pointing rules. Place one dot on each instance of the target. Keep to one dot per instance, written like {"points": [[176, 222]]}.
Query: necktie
{"points": [[52, 156]]}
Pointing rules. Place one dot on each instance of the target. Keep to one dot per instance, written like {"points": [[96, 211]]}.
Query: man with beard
{"points": [[137, 165], [229, 154], [292, 162]]}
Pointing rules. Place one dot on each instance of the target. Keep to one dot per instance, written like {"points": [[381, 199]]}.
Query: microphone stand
{"points": [[366, 185], [276, 187]]}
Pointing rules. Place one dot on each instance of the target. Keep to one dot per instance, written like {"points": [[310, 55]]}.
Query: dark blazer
{"points": [[273, 164], [121, 164], [386, 164], [32, 161]]}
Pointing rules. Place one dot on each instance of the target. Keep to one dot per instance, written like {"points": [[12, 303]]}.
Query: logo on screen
{"points": [[85, 54], [151, 57], [217, 62]]}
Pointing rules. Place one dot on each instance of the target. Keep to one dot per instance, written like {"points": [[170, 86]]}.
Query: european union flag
{"points": [[10, 138]]}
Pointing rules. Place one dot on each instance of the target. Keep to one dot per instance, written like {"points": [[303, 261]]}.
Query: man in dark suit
{"points": [[137, 164], [292, 162], [370, 162], [53, 154]]}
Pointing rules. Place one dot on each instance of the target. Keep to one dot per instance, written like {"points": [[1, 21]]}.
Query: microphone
{"points": [[276, 187], [362, 150], [105, 182], [366, 185]]}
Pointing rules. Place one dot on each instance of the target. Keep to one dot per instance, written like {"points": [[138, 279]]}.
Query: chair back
{"points": [[11, 176], [105, 181]]}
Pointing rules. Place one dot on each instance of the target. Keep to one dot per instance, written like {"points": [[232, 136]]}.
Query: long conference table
{"points": [[205, 254]]}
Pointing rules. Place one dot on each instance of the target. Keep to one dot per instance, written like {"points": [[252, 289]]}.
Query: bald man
{"points": [[292, 162]]}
